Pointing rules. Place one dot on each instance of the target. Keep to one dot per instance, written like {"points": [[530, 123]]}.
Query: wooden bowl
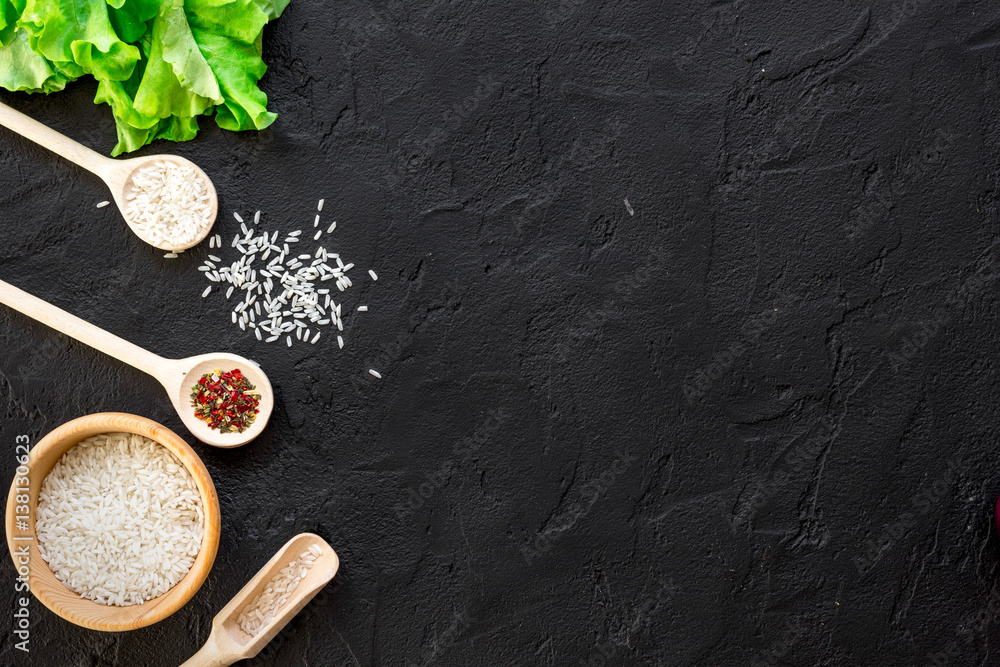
{"points": [[44, 585]]}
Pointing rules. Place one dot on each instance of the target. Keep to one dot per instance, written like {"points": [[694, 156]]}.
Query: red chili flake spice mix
{"points": [[226, 401]]}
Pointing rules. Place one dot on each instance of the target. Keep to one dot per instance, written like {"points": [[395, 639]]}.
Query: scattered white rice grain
{"points": [[316, 223], [315, 338], [375, 373], [319, 207], [332, 227], [102, 204], [170, 255], [362, 309], [340, 342], [239, 218], [256, 218], [206, 292], [289, 341], [372, 274], [289, 301]]}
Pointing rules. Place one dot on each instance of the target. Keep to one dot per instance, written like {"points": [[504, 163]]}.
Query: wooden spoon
{"points": [[117, 174], [228, 643], [176, 375]]}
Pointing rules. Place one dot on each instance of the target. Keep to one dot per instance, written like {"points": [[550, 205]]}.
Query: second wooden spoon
{"points": [[176, 375]]}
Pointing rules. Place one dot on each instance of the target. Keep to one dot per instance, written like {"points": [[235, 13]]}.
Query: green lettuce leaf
{"points": [[177, 80], [159, 64], [10, 12], [129, 17], [78, 37], [21, 69], [272, 8], [229, 34]]}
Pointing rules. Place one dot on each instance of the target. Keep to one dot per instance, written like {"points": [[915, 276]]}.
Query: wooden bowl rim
{"points": [[106, 617]]}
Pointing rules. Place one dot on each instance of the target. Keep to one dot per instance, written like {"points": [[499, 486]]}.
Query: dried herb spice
{"points": [[225, 401]]}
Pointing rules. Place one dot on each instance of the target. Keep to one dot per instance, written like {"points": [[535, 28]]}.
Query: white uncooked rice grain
{"points": [[170, 255], [375, 373], [284, 294], [102, 204], [362, 309], [119, 519], [169, 203], [372, 274], [206, 292], [263, 608], [319, 207]]}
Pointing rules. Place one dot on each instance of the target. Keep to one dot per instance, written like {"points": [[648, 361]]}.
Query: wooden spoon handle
{"points": [[85, 332], [212, 654], [45, 136]]}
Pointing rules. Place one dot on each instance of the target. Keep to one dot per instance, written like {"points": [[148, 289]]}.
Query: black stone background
{"points": [[752, 423]]}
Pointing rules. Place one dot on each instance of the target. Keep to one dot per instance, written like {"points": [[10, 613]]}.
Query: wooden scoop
{"points": [[176, 375], [228, 643], [117, 174]]}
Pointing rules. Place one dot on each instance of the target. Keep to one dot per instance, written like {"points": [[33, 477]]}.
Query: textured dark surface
{"points": [[753, 422]]}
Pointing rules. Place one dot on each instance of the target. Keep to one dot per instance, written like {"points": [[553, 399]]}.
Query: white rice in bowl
{"points": [[119, 519]]}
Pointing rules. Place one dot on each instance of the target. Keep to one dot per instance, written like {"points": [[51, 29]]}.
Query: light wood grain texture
{"points": [[44, 585], [177, 376], [117, 174], [228, 643]]}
